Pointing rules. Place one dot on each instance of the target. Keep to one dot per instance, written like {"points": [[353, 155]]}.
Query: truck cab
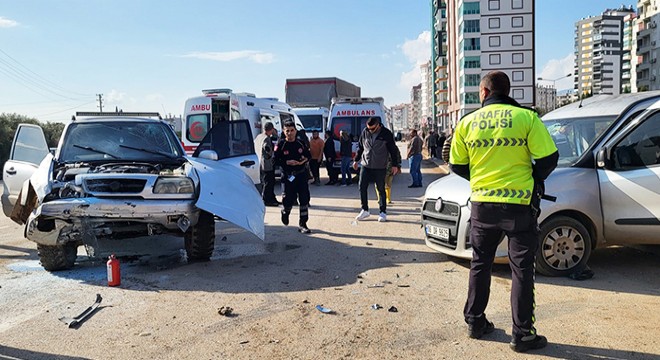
{"points": [[607, 185]]}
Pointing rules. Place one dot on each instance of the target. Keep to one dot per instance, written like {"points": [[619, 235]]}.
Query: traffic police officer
{"points": [[292, 155], [493, 148]]}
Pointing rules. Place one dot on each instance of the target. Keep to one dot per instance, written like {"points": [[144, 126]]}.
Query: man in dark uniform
{"points": [[292, 155], [330, 156], [493, 147]]}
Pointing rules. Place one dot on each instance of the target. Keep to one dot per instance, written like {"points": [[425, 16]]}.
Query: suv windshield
{"points": [[123, 140], [574, 136], [312, 122]]}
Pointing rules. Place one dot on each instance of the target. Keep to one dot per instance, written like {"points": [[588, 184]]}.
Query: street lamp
{"points": [[554, 80]]}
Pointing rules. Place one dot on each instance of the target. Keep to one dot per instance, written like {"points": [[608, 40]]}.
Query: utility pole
{"points": [[100, 96]]}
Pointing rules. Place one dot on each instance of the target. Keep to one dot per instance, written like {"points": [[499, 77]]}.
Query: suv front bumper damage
{"points": [[60, 221]]}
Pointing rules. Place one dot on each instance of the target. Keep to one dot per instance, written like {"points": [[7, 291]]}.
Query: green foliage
{"points": [[8, 125]]}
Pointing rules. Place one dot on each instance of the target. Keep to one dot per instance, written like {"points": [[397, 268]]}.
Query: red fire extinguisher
{"points": [[114, 276]]}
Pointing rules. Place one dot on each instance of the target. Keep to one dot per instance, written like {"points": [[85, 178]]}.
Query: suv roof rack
{"points": [[120, 113]]}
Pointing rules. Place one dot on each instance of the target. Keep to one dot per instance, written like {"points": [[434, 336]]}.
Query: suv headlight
{"points": [[174, 185]]}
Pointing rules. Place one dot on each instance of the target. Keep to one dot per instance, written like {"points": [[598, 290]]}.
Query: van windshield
{"points": [[574, 136], [312, 122]]}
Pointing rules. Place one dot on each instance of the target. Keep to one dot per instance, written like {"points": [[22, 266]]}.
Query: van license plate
{"points": [[441, 232]]}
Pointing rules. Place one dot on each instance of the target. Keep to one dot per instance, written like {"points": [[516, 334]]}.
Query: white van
{"points": [[351, 114], [313, 118], [202, 112]]}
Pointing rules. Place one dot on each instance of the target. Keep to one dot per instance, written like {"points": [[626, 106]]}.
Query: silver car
{"points": [[607, 185], [124, 177]]}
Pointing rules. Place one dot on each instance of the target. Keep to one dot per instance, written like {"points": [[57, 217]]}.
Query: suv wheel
{"points": [[200, 239], [565, 247], [58, 257]]}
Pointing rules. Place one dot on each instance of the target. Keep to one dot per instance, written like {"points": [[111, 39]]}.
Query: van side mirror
{"points": [[602, 160]]}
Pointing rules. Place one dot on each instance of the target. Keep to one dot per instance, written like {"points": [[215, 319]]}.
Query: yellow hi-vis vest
{"points": [[499, 142]]}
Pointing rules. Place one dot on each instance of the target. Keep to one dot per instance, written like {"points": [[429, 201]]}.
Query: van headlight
{"points": [[174, 185]]}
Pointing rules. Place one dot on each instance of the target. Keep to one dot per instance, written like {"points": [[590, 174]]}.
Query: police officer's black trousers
{"points": [[297, 188], [489, 222], [368, 176]]}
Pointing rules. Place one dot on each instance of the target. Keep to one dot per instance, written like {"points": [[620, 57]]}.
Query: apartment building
{"points": [[426, 101], [485, 36], [599, 52], [647, 42], [439, 77], [546, 98], [415, 120], [400, 116], [629, 54]]}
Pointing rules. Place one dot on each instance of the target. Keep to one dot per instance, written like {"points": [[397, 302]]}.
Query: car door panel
{"points": [[28, 149], [233, 143], [630, 186]]}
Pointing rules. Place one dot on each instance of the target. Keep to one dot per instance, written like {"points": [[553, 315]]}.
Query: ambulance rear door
{"points": [[197, 122]]}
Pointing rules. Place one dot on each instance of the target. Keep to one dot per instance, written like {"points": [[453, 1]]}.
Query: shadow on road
{"points": [[19, 354]]}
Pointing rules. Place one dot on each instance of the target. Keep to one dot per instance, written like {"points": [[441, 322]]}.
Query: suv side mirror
{"points": [[602, 160], [209, 155]]}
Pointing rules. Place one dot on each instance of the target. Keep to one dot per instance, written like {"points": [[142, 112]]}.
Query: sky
{"points": [[147, 55]]}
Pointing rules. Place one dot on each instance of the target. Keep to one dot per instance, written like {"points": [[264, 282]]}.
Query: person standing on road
{"points": [[346, 153], [265, 151], [330, 156], [441, 143], [292, 155], [431, 143], [493, 148], [415, 157], [376, 143], [316, 149]]}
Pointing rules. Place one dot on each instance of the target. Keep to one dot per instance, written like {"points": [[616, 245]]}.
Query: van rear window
{"points": [[197, 126]]}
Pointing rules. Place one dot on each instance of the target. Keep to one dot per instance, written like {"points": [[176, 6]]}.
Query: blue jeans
{"points": [[346, 170], [416, 169]]}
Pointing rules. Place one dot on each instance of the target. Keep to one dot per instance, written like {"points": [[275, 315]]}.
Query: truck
{"points": [[318, 92], [606, 185]]}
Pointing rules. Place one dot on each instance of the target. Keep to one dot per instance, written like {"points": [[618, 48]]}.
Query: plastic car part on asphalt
{"points": [[76, 321], [324, 309]]}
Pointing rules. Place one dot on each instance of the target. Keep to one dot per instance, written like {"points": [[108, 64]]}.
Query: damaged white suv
{"points": [[120, 177]]}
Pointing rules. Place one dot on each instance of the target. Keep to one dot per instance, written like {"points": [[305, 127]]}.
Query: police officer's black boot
{"points": [[285, 216]]}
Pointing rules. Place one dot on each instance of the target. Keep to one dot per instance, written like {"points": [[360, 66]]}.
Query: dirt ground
{"points": [[166, 308]]}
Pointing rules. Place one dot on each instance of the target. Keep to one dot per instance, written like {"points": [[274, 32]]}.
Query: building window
{"points": [[494, 41], [472, 44], [471, 8], [494, 59], [494, 23], [471, 26], [517, 21], [493, 4], [470, 98], [518, 94], [518, 76], [517, 40], [472, 79], [516, 4], [472, 62], [517, 58]]}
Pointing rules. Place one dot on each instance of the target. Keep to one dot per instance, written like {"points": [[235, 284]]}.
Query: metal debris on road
{"points": [[76, 321], [376, 286], [376, 306], [368, 243], [393, 309], [324, 309], [450, 270], [404, 286]]}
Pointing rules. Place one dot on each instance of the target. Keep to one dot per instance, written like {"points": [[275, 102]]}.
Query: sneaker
{"points": [[529, 342], [362, 215], [382, 217], [478, 332], [273, 203], [285, 218], [304, 229]]}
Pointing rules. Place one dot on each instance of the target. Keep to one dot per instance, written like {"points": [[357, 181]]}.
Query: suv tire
{"points": [[58, 257], [564, 248], [200, 239]]}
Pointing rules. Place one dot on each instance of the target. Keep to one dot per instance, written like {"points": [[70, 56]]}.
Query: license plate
{"points": [[441, 232]]}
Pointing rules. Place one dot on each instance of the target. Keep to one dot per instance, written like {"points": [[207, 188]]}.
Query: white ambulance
{"points": [[351, 114]]}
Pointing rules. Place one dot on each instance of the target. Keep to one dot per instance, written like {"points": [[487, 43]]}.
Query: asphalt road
{"points": [[168, 309]]}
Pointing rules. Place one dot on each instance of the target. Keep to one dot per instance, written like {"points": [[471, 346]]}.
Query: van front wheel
{"points": [[565, 247]]}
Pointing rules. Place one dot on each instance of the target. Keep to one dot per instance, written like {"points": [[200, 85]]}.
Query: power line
{"points": [[61, 111]]}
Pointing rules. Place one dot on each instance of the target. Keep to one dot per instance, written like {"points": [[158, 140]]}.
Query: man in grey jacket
{"points": [[376, 144], [263, 145]]}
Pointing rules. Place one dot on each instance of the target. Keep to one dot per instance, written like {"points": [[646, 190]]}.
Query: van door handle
{"points": [[11, 171], [247, 163]]}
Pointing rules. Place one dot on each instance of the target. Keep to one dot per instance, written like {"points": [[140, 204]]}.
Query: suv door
{"points": [[630, 183], [27, 150], [233, 143]]}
